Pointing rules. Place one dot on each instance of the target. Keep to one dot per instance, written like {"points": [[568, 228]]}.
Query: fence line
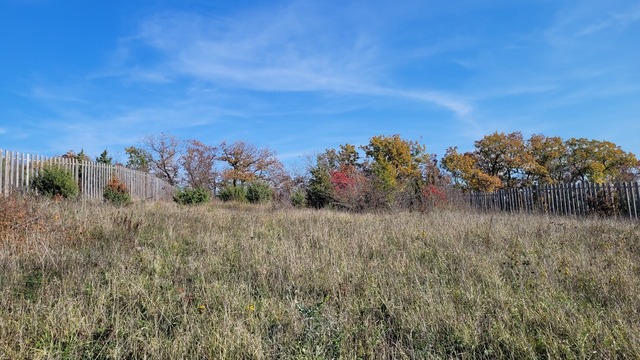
{"points": [[17, 171], [620, 199]]}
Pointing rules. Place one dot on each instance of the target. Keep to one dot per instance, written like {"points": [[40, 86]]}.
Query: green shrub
{"points": [[192, 196], [258, 192], [235, 193], [55, 181], [116, 192], [319, 191], [299, 198]]}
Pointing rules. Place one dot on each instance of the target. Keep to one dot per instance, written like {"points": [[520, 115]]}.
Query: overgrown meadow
{"points": [[222, 280]]}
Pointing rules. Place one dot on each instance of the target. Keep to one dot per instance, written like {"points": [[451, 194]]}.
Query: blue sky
{"points": [[303, 76]]}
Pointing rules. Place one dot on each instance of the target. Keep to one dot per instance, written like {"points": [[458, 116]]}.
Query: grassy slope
{"points": [[241, 282]]}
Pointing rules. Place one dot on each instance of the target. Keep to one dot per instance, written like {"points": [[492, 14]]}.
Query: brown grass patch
{"points": [[235, 281]]}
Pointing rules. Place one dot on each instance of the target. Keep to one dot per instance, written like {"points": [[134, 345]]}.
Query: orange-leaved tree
{"points": [[246, 162], [198, 161], [466, 174], [506, 161]]}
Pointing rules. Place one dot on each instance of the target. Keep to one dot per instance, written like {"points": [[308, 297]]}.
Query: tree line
{"points": [[502, 160], [388, 171]]}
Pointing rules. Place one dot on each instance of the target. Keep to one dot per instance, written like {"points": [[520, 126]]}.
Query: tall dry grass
{"points": [[239, 281]]}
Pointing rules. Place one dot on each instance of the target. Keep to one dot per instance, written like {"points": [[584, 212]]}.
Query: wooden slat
{"points": [[84, 165], [635, 195], [576, 195], [583, 207], [561, 209], [567, 196], [589, 198], [12, 171], [627, 199], [27, 166], [2, 172]]}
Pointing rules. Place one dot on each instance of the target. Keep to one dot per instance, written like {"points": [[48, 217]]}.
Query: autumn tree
{"points": [[598, 161], [164, 150], [247, 163], [348, 156], [548, 155], [504, 156], [458, 165], [199, 163], [335, 178], [393, 172], [402, 157], [349, 188], [501, 160], [431, 173], [395, 165], [465, 173]]}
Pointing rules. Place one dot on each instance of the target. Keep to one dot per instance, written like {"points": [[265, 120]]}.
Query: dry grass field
{"points": [[158, 281]]}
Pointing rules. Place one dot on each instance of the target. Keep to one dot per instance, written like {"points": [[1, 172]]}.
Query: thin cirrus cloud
{"points": [[286, 49], [612, 21], [53, 95], [323, 72]]}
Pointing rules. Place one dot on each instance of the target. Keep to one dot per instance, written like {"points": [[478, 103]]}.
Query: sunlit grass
{"points": [[240, 281]]}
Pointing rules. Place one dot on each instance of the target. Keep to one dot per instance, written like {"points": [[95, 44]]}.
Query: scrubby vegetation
{"points": [[259, 192], [116, 192], [192, 196], [388, 172], [233, 193], [55, 182], [232, 280], [298, 198]]}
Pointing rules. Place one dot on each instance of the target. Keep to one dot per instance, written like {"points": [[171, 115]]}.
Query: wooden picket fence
{"points": [[17, 170], [621, 199]]}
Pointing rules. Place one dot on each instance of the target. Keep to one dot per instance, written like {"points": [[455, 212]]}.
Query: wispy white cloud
{"points": [[291, 48], [621, 19], [91, 128], [303, 75], [515, 90], [47, 94], [454, 103]]}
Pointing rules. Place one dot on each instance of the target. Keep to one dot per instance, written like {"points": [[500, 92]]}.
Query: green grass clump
{"points": [[220, 281]]}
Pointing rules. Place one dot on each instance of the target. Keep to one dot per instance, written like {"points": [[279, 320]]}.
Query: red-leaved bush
{"points": [[349, 188], [433, 197], [340, 180]]}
